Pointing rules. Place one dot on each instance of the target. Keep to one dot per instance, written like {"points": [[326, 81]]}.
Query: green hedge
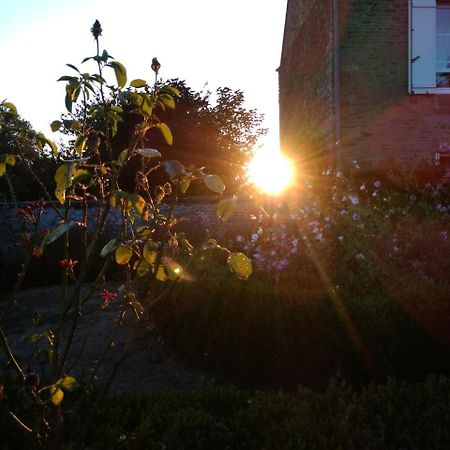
{"points": [[390, 416]]}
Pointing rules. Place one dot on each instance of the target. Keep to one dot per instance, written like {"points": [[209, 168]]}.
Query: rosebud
{"points": [[96, 29], [155, 65]]}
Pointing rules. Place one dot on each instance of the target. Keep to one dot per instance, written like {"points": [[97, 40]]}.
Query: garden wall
{"points": [[196, 216]]}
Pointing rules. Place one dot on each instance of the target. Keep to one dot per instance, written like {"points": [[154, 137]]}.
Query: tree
{"points": [[219, 136], [31, 160]]}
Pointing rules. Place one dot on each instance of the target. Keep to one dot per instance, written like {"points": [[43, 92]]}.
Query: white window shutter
{"points": [[423, 44]]}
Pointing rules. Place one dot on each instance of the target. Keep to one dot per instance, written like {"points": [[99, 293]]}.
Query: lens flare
{"points": [[270, 171]]}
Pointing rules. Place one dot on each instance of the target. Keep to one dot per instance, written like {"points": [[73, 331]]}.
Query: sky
{"points": [[236, 43]]}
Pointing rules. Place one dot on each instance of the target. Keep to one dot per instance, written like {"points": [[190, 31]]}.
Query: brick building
{"points": [[365, 79]]}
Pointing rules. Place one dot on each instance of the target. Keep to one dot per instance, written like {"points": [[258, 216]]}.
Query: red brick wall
{"points": [[379, 119], [306, 96]]}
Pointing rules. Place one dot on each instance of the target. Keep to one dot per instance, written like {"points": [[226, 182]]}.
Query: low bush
{"points": [[389, 416]]}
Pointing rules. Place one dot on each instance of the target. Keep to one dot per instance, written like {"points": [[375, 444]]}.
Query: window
{"points": [[429, 47]]}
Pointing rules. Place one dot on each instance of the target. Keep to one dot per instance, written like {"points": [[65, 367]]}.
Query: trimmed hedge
{"points": [[390, 416]]}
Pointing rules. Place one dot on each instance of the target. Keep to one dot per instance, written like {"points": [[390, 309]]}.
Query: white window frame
{"points": [[430, 6]]}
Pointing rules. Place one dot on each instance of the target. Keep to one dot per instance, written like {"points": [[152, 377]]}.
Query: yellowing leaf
{"points": [[226, 207], [167, 100], [161, 274], [10, 159], [63, 176], [143, 267], [214, 183], [68, 383], [150, 253], [138, 83], [174, 270], [240, 265], [123, 255], [56, 395], [80, 144], [120, 72], [52, 145], [139, 205], [2, 168], [167, 134]]}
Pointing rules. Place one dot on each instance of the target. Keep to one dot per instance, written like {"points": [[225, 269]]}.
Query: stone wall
{"points": [[379, 119], [305, 74]]}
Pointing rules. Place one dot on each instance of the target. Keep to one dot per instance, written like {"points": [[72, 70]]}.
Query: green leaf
{"points": [[123, 255], [81, 175], [138, 83], [171, 90], [55, 125], [240, 265], [63, 179], [167, 100], [109, 247], [122, 157], [149, 153], [214, 183], [56, 395], [72, 67], [10, 106], [167, 134], [56, 233], [226, 207], [80, 143], [174, 169], [120, 72], [67, 383], [52, 145], [68, 78]]}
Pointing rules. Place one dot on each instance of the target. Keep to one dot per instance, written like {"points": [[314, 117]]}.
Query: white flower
{"points": [[362, 187], [353, 199], [360, 257], [341, 238], [338, 174], [377, 184], [239, 238], [255, 237], [319, 237], [355, 217]]}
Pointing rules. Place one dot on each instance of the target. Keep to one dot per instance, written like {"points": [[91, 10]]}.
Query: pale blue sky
{"points": [[236, 43]]}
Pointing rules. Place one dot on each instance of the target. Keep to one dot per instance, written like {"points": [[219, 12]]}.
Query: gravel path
{"points": [[150, 365]]}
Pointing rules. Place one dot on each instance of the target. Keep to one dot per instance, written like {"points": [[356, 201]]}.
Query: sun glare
{"points": [[270, 171]]}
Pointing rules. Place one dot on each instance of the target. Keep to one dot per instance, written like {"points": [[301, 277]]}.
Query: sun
{"points": [[270, 171]]}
